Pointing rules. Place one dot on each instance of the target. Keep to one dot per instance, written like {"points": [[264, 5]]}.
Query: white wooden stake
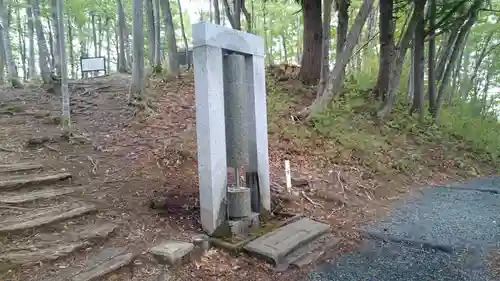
{"points": [[288, 176]]}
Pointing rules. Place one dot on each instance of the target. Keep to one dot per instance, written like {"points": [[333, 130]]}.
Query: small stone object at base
{"points": [[201, 245], [244, 226], [172, 252], [239, 204]]}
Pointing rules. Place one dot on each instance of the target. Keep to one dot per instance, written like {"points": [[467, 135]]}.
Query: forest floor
{"points": [[133, 157]]}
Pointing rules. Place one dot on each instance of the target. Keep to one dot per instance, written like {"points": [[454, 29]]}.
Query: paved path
{"points": [[445, 234]]}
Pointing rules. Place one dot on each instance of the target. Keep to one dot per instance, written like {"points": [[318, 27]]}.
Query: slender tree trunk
{"points": [[71, 53], [43, 51], [173, 63], [336, 80], [12, 75], [418, 70], [445, 54], [454, 55], [387, 48], [64, 67], [157, 53], [55, 28], [186, 46], [22, 44], [31, 52], [283, 42], [137, 84], [431, 88], [51, 43], [150, 20], [216, 11], [248, 17], [2, 60], [327, 13], [122, 59], [342, 29], [479, 61], [108, 45], [311, 56]]}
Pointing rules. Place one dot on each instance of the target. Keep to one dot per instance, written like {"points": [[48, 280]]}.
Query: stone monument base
{"points": [[242, 227]]}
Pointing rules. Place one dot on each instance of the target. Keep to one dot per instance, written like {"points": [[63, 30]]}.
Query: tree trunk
{"points": [[445, 54], [248, 17], [454, 55], [51, 43], [479, 61], [431, 88], [387, 48], [150, 20], [173, 63], [108, 46], [64, 67], [43, 52], [55, 29], [336, 80], [22, 44], [311, 56], [326, 46], [342, 29], [235, 17], [186, 46], [2, 60], [216, 11], [397, 67], [137, 84], [122, 58], [283, 42], [418, 70], [12, 76], [71, 53], [31, 38]]}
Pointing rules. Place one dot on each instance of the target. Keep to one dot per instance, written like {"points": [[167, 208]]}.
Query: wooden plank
{"points": [[43, 216], [104, 268], [22, 197], [17, 181], [55, 245], [18, 167]]}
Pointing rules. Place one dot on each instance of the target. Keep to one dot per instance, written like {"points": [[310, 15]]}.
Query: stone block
{"points": [[245, 226], [281, 242], [207, 34], [238, 200], [172, 252]]}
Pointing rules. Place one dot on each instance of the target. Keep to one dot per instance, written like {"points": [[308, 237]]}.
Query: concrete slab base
{"points": [[276, 245]]}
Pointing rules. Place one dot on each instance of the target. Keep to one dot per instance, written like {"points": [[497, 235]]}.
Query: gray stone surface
{"points": [[238, 200], [235, 106], [244, 226], [464, 218], [209, 41], [211, 135], [207, 34], [281, 242], [172, 252], [104, 268]]}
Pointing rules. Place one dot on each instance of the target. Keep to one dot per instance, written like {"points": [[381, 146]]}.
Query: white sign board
{"points": [[93, 64]]}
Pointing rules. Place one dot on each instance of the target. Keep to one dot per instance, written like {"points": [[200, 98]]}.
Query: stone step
{"points": [[276, 245], [42, 216], [44, 247], [96, 265], [18, 181], [22, 197], [19, 167], [309, 253]]}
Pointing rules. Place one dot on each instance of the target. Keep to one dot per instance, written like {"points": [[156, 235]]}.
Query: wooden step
{"points": [[18, 181], [52, 246], [96, 265], [22, 197], [19, 167], [42, 216]]}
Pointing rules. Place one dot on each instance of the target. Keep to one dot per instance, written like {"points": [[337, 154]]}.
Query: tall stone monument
{"points": [[231, 124]]}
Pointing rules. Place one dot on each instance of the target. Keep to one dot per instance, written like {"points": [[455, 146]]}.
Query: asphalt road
{"points": [[444, 234]]}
